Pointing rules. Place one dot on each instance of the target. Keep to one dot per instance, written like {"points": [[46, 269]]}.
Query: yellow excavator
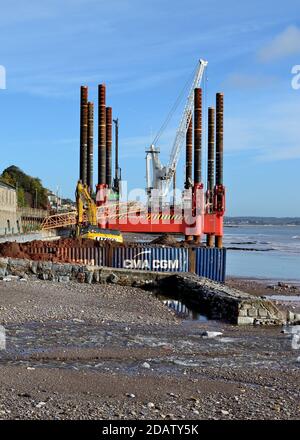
{"points": [[86, 221]]}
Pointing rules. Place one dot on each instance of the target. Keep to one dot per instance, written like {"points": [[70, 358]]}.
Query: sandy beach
{"points": [[77, 351]]}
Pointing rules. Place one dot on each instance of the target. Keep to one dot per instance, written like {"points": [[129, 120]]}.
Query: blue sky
{"points": [[144, 50]]}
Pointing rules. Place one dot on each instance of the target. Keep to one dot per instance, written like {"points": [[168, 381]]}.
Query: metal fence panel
{"points": [[211, 263]]}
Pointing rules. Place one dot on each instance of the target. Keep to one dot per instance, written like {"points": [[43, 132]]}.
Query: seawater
{"points": [[274, 254]]}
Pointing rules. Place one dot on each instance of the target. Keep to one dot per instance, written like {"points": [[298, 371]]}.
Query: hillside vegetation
{"points": [[30, 191]]}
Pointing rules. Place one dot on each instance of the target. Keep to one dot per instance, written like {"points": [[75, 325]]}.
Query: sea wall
{"points": [[64, 272], [219, 301]]}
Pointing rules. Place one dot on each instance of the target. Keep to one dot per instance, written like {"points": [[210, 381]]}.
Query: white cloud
{"points": [[20, 11], [286, 153], [271, 134], [248, 81], [63, 83], [138, 144], [146, 81], [284, 44]]}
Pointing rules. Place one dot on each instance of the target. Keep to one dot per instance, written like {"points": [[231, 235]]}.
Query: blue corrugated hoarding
{"points": [[162, 259], [211, 263], [206, 262]]}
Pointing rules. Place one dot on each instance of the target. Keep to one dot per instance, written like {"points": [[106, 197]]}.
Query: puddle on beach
{"points": [[284, 298], [181, 309]]}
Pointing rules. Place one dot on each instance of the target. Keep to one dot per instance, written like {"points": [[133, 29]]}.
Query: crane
{"points": [[158, 182]]}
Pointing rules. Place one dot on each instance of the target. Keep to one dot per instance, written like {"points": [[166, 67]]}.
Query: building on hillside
{"points": [[10, 222], [54, 201], [59, 204]]}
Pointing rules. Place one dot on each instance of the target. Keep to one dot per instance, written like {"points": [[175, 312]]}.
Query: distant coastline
{"points": [[261, 221]]}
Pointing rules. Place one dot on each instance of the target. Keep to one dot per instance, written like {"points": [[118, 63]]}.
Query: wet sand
{"points": [[79, 351], [260, 287], [281, 292]]}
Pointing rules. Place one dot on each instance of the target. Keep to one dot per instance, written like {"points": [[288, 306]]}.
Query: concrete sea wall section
{"points": [[217, 300], [24, 238]]}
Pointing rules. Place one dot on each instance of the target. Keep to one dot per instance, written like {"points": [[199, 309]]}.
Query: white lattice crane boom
{"points": [[162, 175]]}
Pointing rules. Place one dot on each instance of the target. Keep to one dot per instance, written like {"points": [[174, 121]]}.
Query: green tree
{"points": [[21, 198], [30, 191]]}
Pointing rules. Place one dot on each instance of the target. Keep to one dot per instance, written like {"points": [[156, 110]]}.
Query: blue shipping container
{"points": [[211, 263]]}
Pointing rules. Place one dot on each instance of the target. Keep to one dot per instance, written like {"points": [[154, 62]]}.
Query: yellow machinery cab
{"points": [[96, 233]]}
